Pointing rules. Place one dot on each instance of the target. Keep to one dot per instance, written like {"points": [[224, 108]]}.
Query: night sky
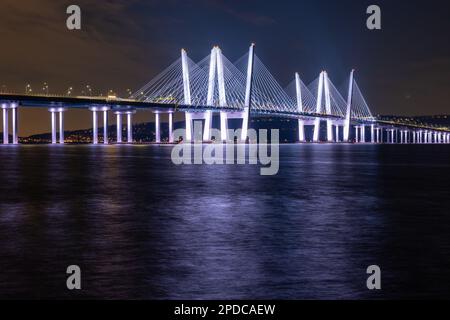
{"points": [[403, 69]]}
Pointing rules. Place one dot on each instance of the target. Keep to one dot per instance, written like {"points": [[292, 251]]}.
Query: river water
{"points": [[140, 227]]}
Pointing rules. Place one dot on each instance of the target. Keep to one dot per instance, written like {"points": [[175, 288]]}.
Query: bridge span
{"points": [[238, 90]]}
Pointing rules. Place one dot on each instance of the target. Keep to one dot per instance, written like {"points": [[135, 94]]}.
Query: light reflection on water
{"points": [[141, 227]]}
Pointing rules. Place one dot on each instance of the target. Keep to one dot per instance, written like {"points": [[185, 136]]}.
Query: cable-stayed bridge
{"points": [[233, 90]]}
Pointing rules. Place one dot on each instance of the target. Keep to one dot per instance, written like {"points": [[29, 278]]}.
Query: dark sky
{"points": [[402, 69]]}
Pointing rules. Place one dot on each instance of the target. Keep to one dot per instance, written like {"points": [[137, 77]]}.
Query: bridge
{"points": [[239, 90]]}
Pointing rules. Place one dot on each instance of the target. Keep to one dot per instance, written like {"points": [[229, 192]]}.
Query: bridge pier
{"points": [[95, 128], [5, 123], [105, 126], [208, 124], [301, 131], [54, 119], [393, 138], [188, 126], [372, 133], [129, 128], [119, 126], [171, 140], [330, 131], [15, 123], [61, 125], [336, 133], [157, 128], [223, 126], [119, 119]]}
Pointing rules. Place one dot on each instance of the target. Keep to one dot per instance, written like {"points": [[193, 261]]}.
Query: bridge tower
{"points": [[348, 114], [210, 97], [248, 93], [318, 108], [328, 107], [222, 95], [301, 122], [187, 94]]}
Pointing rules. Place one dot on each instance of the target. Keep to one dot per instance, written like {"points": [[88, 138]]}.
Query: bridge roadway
{"points": [[86, 102], [58, 104]]}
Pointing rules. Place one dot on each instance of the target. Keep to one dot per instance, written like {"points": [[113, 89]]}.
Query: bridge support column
{"points": [[5, 123], [316, 136], [301, 130], [129, 127], [105, 126], [157, 128], [53, 117], [61, 125], [337, 133], [356, 134], [170, 127], [94, 127], [223, 126], [15, 123], [363, 133], [208, 124], [188, 120], [330, 131], [119, 127], [372, 133]]}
